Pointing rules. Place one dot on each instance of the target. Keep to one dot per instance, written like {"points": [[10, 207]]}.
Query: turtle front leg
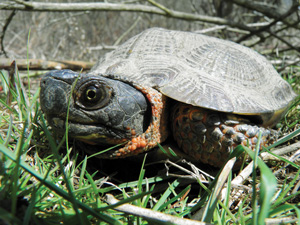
{"points": [[209, 136]]}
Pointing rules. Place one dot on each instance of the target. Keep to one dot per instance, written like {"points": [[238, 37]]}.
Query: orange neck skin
{"points": [[156, 132]]}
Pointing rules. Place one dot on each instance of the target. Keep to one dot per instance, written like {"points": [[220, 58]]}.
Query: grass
{"points": [[43, 181]]}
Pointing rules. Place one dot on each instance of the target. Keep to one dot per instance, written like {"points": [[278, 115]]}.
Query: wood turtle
{"points": [[211, 94]]}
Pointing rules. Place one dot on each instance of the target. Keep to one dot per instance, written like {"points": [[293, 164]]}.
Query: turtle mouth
{"points": [[92, 134]]}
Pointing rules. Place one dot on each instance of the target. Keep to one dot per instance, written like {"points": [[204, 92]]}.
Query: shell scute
{"points": [[199, 70]]}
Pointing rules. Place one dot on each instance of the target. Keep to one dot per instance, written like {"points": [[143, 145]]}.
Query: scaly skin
{"points": [[210, 136]]}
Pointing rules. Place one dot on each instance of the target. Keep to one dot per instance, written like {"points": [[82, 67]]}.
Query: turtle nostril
{"points": [[53, 98]]}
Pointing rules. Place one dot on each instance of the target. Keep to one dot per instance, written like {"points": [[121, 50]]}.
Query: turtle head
{"points": [[98, 110]]}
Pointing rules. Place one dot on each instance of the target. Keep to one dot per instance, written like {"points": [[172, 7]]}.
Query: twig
{"points": [[286, 62], [293, 8], [246, 172], [195, 174], [268, 10], [270, 35], [38, 64], [296, 187], [117, 42], [266, 37], [283, 220], [102, 47], [257, 32], [160, 6], [281, 151], [284, 41], [149, 214], [218, 189], [103, 6], [6, 24], [23, 3], [211, 29], [239, 180]]}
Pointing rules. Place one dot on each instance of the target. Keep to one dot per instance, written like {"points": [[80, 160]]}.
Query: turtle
{"points": [[206, 94]]}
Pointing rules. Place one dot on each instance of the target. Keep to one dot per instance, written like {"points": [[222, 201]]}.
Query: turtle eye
{"points": [[93, 96]]}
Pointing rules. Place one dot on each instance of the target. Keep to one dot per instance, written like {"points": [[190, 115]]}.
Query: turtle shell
{"points": [[199, 70]]}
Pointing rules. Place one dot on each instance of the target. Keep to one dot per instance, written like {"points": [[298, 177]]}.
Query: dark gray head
{"points": [[101, 110]]}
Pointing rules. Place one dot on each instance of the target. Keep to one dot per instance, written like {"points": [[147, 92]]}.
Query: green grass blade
{"points": [[286, 208], [282, 159], [226, 201], [9, 132], [30, 208], [134, 183], [55, 188], [141, 175], [94, 187], [268, 184], [286, 190], [284, 139], [16, 173], [27, 52], [175, 198], [166, 194], [124, 201], [83, 169], [213, 198], [58, 160]]}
